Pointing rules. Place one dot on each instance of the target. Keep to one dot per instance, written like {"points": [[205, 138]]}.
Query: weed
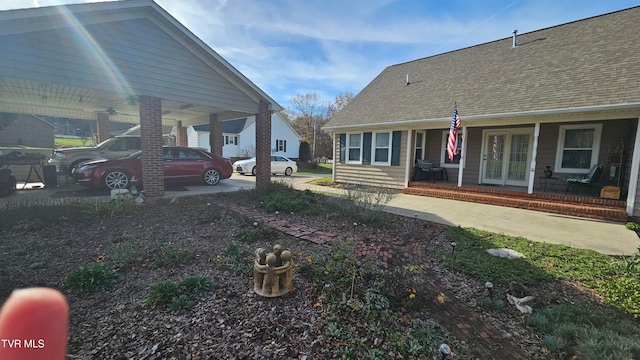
{"points": [[179, 304], [128, 252], [166, 255], [177, 297], [91, 278], [252, 235], [289, 200], [551, 343], [333, 329], [233, 258], [493, 304], [113, 207], [633, 226]]}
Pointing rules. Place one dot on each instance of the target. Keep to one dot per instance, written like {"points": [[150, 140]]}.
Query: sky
{"points": [[328, 47]]}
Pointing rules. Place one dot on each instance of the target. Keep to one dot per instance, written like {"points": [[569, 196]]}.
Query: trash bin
{"points": [[50, 176]]}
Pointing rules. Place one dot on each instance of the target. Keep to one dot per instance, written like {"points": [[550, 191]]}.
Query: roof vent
{"points": [[515, 37]]}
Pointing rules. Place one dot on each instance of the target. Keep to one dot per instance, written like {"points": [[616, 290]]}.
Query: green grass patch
{"points": [[323, 181], [91, 278], [586, 331], [113, 207], [309, 168], [72, 142]]}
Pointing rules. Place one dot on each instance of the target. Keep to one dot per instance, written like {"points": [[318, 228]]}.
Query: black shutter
{"points": [[343, 147], [276, 146], [285, 145], [395, 148], [366, 148]]}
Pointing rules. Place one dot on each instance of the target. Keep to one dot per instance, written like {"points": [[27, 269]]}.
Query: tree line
{"points": [[308, 114]]}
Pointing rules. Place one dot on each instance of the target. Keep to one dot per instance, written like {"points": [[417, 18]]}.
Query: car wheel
{"points": [[74, 164], [253, 171], [211, 177], [288, 171], [116, 179]]}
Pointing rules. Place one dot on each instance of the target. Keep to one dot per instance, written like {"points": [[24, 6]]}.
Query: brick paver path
{"points": [[451, 313]]}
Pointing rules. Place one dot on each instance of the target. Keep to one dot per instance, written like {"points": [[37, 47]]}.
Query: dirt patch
{"points": [[232, 322]]}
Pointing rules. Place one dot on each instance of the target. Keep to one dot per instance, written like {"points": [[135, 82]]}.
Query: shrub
{"points": [[367, 203], [91, 278], [304, 152]]}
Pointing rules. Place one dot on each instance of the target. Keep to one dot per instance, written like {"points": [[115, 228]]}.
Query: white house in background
{"points": [[239, 137]]}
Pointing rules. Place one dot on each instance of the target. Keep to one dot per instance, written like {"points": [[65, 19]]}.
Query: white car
{"points": [[279, 165]]}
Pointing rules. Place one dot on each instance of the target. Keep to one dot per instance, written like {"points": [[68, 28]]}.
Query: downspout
{"points": [[407, 163], [463, 155], [633, 176], [534, 156]]}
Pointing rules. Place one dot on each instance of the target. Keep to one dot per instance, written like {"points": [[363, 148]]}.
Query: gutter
{"points": [[523, 114]]}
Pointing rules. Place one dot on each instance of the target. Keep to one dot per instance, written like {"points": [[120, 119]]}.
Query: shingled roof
{"points": [[586, 63]]}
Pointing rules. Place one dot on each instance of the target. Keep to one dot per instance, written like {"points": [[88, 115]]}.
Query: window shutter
{"points": [[343, 147], [276, 146], [366, 148], [285, 145], [395, 148]]}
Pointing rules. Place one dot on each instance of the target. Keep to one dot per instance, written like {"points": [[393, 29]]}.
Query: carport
{"points": [[126, 61]]}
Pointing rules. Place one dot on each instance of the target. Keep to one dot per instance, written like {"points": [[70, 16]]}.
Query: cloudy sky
{"points": [[290, 47]]}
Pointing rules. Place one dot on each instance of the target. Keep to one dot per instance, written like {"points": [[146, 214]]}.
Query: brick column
{"points": [[263, 146], [151, 144], [215, 135], [181, 135], [103, 127]]}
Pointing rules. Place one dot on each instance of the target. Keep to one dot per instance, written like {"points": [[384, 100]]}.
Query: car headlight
{"points": [[85, 167]]}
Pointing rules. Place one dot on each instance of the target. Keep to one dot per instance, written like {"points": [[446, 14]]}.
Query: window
{"points": [[419, 146], [226, 139], [381, 148], [578, 147], [235, 140], [354, 150], [281, 145], [444, 158]]}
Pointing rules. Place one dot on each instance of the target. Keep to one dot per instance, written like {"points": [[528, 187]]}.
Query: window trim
{"points": [[349, 147], [443, 149], [281, 145], [595, 150], [388, 147]]}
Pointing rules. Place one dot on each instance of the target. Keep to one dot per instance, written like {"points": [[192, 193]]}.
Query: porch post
{"points": [[633, 176], [215, 135], [463, 155], [534, 156], [181, 135], [263, 146], [103, 127], [151, 143], [407, 163], [333, 165]]}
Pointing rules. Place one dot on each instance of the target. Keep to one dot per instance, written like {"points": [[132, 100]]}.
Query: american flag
{"points": [[452, 144]]}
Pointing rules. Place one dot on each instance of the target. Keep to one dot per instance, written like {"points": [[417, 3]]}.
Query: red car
{"points": [[181, 165]]}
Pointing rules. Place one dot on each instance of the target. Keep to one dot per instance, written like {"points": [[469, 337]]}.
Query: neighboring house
{"points": [[565, 97], [239, 137], [28, 130]]}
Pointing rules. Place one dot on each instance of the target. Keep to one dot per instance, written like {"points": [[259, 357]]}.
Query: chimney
{"points": [[515, 37]]}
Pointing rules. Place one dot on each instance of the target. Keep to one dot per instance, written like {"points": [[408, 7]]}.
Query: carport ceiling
{"points": [[49, 99]]}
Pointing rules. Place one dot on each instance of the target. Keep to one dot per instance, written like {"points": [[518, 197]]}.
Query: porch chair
{"points": [[430, 170], [590, 180]]}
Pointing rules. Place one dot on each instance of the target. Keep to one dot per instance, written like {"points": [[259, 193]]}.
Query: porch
{"points": [[553, 200]]}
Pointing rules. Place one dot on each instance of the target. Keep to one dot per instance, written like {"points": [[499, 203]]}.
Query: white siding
{"points": [[280, 130], [133, 57]]}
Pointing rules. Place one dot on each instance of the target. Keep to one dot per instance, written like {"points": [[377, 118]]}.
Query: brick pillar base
{"points": [[215, 135], [181, 135], [151, 144], [103, 127], [263, 146]]}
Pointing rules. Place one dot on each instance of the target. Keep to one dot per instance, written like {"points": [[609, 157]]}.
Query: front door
{"points": [[506, 156]]}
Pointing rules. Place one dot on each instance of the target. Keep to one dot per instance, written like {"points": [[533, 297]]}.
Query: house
{"points": [[567, 97], [126, 61], [239, 137], [28, 130]]}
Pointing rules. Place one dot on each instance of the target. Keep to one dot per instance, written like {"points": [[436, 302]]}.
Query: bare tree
{"points": [[310, 117]]}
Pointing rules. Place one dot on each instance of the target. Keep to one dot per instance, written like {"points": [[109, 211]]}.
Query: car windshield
{"points": [[109, 140]]}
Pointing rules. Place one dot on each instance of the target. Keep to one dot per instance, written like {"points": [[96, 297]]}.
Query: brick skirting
{"points": [[587, 207]]}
